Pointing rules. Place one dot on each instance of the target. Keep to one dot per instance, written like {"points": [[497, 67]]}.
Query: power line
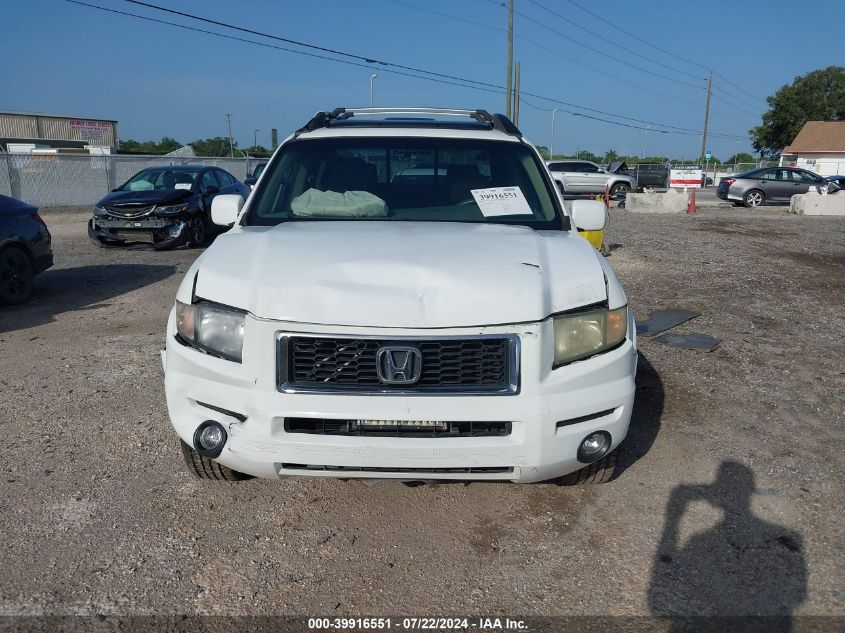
{"points": [[608, 55], [727, 101], [727, 81], [496, 89], [616, 44], [578, 62], [636, 37], [368, 60], [656, 47], [474, 85]]}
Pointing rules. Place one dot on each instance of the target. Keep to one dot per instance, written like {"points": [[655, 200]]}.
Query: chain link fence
{"points": [[56, 180]]}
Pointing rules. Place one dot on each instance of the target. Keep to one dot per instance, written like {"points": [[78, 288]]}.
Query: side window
{"points": [[555, 167], [772, 174], [225, 178], [208, 180], [587, 168], [804, 176]]}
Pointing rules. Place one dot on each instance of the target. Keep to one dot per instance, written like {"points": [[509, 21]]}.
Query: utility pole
{"points": [[510, 60], [552, 139], [231, 144], [255, 138], [706, 118], [372, 89], [516, 95]]}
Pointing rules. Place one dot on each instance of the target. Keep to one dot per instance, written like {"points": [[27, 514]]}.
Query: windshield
{"points": [[406, 179], [157, 179], [259, 168]]}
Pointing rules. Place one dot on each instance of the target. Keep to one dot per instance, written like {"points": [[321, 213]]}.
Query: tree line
{"points": [[216, 146]]}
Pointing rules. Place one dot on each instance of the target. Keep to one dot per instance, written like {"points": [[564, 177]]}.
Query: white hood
{"points": [[400, 274]]}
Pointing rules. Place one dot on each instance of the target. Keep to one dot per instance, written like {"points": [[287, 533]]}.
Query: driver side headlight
{"points": [[584, 334], [214, 329]]}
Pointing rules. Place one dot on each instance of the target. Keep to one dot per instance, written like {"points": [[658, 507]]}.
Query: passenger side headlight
{"points": [[172, 209], [214, 329], [588, 333]]}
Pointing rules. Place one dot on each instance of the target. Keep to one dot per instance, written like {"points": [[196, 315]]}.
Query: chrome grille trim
{"points": [[130, 211], [510, 388]]}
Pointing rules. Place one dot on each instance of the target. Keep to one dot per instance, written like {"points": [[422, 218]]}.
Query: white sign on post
{"points": [[685, 178]]}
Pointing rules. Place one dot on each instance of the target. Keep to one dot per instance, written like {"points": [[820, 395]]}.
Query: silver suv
{"points": [[583, 176]]}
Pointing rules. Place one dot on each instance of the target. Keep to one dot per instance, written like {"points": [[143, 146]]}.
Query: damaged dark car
{"points": [[163, 206]]}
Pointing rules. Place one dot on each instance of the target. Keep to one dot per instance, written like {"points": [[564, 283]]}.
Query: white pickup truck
{"points": [[404, 296]]}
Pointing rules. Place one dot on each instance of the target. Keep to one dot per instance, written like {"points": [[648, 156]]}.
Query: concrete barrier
{"points": [[816, 204], [671, 201]]}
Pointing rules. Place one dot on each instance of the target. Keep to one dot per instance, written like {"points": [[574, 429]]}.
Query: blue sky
{"points": [[157, 80]]}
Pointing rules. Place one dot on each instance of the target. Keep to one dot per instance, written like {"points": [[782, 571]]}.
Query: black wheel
{"points": [[619, 190], [16, 276], [599, 472], [197, 231], [753, 198], [204, 468]]}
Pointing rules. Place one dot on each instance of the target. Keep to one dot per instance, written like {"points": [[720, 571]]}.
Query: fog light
{"points": [[209, 438], [594, 447]]}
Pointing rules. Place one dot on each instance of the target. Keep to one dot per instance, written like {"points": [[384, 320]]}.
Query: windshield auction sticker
{"points": [[497, 201]]}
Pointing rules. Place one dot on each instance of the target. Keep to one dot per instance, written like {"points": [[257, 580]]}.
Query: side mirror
{"points": [[250, 182], [587, 215], [212, 190], [226, 208]]}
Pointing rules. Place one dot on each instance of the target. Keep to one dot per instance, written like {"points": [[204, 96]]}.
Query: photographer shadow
{"points": [[60, 290], [743, 573]]}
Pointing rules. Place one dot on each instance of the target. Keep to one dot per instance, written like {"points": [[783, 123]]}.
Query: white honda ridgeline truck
{"points": [[403, 296]]}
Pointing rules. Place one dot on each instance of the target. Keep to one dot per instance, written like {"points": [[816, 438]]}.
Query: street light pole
{"points": [[552, 140], [231, 143], [255, 138], [645, 139], [372, 79], [736, 156]]}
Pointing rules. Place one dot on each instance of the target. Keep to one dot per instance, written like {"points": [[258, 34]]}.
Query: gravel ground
{"points": [[729, 499]]}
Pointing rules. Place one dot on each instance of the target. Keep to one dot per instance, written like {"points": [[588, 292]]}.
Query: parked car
{"points": [[649, 175], [250, 181], [25, 249], [768, 184], [353, 324], [839, 181], [165, 206], [582, 176]]}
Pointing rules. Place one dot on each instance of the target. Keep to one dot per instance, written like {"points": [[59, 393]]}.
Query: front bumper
{"points": [[537, 448], [153, 230]]}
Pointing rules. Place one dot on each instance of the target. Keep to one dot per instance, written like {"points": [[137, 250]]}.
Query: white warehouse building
{"points": [[819, 147]]}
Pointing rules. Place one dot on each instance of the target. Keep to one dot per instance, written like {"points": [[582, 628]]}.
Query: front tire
{"points": [[619, 191], [197, 232], [204, 468], [599, 472], [753, 198], [16, 276]]}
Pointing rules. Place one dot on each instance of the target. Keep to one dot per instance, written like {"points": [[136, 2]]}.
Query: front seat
{"points": [[348, 174]]}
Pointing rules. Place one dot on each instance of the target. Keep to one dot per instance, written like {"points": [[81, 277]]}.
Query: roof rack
{"points": [[498, 122]]}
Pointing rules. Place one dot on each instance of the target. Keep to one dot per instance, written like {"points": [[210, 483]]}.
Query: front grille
{"points": [[130, 211], [375, 469], [323, 426], [470, 365]]}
